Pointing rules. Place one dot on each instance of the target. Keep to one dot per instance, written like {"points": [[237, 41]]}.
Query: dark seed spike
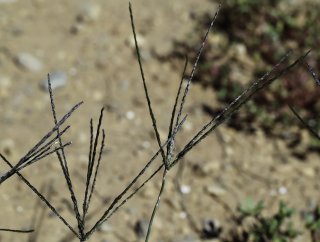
{"points": [[173, 114], [186, 90], [43, 155], [64, 164], [84, 205], [72, 195], [90, 168], [54, 129], [97, 169], [48, 145], [9, 173]]}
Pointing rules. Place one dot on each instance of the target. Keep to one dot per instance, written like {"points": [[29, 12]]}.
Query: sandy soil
{"points": [[94, 49]]}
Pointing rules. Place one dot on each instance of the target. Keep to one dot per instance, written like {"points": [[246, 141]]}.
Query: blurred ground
{"points": [[91, 43]]}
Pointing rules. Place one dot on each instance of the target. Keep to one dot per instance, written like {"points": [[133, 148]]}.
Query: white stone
{"points": [[185, 189], [130, 115], [29, 62], [57, 79], [282, 190]]}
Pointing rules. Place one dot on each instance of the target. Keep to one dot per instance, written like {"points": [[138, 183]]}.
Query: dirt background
{"points": [[91, 42]]}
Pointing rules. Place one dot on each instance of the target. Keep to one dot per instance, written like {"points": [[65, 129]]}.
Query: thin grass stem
{"points": [[304, 123], [17, 230], [153, 119], [157, 204]]}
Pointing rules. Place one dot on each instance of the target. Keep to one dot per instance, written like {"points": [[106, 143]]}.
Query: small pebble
{"points": [[19, 209], [185, 189], [140, 39], [97, 96], [5, 84], [124, 84], [215, 190], [105, 227], [148, 193], [7, 147], [282, 190], [89, 12], [29, 62], [187, 126], [183, 215], [76, 28], [83, 137], [309, 172], [146, 144], [130, 115], [210, 167], [58, 79]]}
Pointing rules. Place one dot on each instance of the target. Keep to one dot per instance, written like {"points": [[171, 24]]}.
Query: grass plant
{"points": [[169, 154]]}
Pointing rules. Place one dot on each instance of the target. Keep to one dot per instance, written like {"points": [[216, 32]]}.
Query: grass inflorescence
{"points": [[169, 154]]}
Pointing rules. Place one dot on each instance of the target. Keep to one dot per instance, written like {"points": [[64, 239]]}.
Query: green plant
{"points": [[312, 222], [260, 228]]}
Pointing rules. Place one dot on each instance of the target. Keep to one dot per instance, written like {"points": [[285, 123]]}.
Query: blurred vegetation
{"points": [[312, 221], [250, 37], [256, 227]]}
